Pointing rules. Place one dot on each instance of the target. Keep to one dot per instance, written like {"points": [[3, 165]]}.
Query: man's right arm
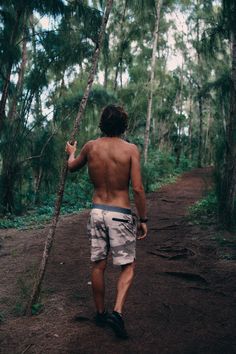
{"points": [[76, 163], [138, 189]]}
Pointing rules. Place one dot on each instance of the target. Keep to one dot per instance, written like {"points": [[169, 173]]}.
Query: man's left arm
{"points": [[75, 163]]}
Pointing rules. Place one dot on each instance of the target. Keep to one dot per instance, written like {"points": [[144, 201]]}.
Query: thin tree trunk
{"points": [[19, 85], [190, 127], [38, 181], [51, 233], [116, 75], [200, 106], [200, 99], [228, 191], [6, 84], [8, 181], [120, 58], [5, 95], [178, 147], [151, 82], [121, 72], [10, 158], [106, 69], [207, 143], [105, 77]]}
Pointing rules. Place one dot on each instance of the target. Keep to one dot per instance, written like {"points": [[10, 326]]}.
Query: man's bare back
{"points": [[112, 163], [109, 164]]}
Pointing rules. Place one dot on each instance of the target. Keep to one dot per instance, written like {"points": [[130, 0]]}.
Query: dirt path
{"points": [[182, 300]]}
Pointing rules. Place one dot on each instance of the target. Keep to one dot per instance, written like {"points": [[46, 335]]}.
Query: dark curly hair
{"points": [[114, 120]]}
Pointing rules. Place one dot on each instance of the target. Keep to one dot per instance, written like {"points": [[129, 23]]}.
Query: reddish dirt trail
{"points": [[182, 300]]}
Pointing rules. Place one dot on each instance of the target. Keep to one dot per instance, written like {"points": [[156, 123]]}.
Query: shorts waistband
{"points": [[111, 208]]}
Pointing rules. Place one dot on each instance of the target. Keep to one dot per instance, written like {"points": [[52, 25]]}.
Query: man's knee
{"points": [[100, 265], [128, 267]]}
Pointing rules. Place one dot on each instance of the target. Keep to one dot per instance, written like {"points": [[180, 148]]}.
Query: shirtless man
{"points": [[112, 163]]}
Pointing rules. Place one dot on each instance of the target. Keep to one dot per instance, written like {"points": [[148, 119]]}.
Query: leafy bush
{"points": [[160, 169], [204, 211], [2, 317], [36, 309]]}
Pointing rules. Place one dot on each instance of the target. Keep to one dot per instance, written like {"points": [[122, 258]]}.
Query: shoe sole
{"points": [[116, 328]]}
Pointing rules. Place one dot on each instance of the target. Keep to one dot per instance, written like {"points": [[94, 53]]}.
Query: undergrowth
{"points": [[204, 213], [205, 210], [159, 170], [2, 317]]}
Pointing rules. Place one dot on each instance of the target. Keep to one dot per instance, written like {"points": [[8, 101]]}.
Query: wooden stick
{"points": [[51, 233]]}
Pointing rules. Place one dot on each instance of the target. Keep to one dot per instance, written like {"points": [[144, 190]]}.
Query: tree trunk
{"points": [[19, 85], [151, 82], [9, 164], [228, 191], [7, 182], [178, 147], [120, 58], [5, 95], [207, 143], [51, 233], [190, 127], [200, 100], [116, 75], [106, 72], [38, 180], [6, 83], [200, 106]]}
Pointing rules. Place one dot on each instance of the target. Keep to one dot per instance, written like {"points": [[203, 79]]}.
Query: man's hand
{"points": [[142, 227], [71, 149]]}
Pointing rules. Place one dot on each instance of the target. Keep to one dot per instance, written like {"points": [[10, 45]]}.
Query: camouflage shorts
{"points": [[112, 228]]}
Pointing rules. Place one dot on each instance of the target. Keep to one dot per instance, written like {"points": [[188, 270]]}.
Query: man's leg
{"points": [[115, 320], [98, 284], [123, 285]]}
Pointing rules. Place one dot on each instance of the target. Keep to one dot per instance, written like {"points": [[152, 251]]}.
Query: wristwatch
{"points": [[143, 220]]}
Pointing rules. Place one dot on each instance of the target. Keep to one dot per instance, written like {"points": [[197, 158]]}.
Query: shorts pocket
{"points": [[120, 220]]}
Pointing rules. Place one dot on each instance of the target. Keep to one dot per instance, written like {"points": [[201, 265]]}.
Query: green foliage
{"points": [[227, 245], [204, 211], [36, 309], [222, 241], [2, 317], [160, 169], [159, 166], [77, 196], [18, 309]]}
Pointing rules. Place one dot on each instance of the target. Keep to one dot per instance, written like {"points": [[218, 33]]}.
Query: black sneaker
{"points": [[116, 322], [101, 319]]}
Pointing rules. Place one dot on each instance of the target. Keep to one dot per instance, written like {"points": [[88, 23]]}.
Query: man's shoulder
{"points": [[89, 144], [132, 147]]}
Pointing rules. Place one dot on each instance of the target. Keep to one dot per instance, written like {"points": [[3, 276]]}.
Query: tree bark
{"points": [[120, 58], [207, 142], [51, 233], [106, 68], [151, 82], [5, 95], [200, 107], [190, 127], [38, 180], [199, 97], [9, 164], [6, 83], [19, 85], [228, 190]]}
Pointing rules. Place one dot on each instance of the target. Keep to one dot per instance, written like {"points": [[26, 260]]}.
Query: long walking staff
{"points": [[51, 233]]}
